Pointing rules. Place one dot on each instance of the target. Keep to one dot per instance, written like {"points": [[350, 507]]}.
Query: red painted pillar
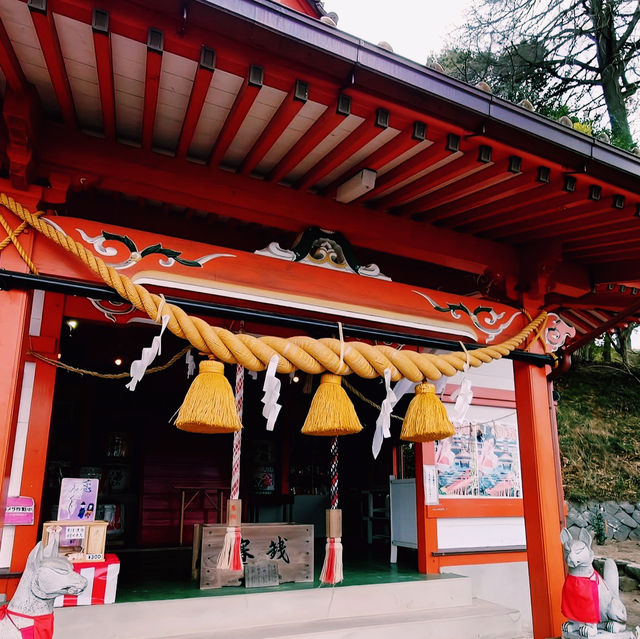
{"points": [[427, 528], [46, 343], [540, 486]]}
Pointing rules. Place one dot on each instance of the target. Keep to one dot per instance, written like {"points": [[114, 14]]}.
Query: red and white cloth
{"points": [[102, 581]]}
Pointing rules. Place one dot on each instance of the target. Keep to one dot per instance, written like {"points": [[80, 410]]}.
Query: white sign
{"points": [[74, 532], [430, 480]]}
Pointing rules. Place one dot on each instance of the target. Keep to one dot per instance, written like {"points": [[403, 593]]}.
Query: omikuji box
{"points": [[78, 541]]}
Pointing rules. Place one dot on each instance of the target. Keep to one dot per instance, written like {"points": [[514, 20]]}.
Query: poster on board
{"points": [[480, 460], [78, 497]]}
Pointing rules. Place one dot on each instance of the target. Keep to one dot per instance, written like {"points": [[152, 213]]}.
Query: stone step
{"points": [[241, 612], [480, 620]]}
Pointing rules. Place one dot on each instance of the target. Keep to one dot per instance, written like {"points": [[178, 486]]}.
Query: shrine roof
{"points": [[251, 110]]}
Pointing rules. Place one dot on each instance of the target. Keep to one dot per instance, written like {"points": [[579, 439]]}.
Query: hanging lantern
{"points": [[331, 412], [426, 419], [209, 406]]}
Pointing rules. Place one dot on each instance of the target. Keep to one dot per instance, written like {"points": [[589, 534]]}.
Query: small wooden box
{"points": [[290, 546], [78, 540]]}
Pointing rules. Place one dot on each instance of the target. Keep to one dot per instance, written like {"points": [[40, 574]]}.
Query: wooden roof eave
{"points": [[381, 72]]}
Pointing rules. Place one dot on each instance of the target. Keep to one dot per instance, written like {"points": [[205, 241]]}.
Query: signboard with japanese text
{"points": [[290, 546], [19, 511]]}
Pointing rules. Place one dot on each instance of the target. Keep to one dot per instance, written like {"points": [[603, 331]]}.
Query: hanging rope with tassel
{"points": [[230, 557], [210, 407], [332, 572]]}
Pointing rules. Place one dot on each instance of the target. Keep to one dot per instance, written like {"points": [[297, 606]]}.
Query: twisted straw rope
{"points": [[303, 353], [12, 238]]}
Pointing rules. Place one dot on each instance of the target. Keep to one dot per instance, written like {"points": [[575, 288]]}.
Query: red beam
{"points": [[48, 37], [471, 185], [241, 106], [10, 64], [104, 63], [495, 194], [434, 180], [150, 175], [278, 124], [433, 157], [367, 131], [632, 246], [199, 91], [151, 87], [393, 149], [319, 130]]}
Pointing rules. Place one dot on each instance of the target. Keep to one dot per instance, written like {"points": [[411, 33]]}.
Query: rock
{"points": [[633, 570], [627, 584], [622, 533], [627, 507], [626, 520], [636, 515], [483, 86], [574, 518], [566, 121], [634, 535], [611, 507], [588, 516], [593, 506]]}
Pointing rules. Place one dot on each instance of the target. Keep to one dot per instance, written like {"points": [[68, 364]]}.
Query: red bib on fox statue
{"points": [[41, 628], [580, 600]]}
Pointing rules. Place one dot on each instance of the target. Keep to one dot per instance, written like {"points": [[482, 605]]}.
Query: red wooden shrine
{"points": [[226, 126]]}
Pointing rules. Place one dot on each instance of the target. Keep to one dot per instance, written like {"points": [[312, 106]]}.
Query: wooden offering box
{"points": [[78, 541], [289, 545]]}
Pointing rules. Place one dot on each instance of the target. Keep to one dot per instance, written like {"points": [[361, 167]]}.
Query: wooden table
{"points": [[216, 496]]}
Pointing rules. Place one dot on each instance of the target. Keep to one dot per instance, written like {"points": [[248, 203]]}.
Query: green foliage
{"points": [[599, 432], [599, 532]]}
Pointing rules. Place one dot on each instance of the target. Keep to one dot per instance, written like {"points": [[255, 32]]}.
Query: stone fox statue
{"points": [[29, 615], [590, 601]]}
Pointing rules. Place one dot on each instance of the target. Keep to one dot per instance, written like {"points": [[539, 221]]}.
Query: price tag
{"points": [[96, 556], [74, 532]]}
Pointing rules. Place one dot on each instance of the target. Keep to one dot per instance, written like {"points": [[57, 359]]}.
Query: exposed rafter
{"points": [[387, 153], [435, 180], [104, 65], [10, 64], [323, 126], [241, 106], [474, 184], [287, 111], [155, 47], [441, 152], [354, 142], [45, 27], [201, 84]]}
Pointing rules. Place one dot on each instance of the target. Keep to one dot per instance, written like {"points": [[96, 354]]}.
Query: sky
{"points": [[414, 28]]}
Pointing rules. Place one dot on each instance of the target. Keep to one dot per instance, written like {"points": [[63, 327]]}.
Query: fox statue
{"points": [[590, 601], [29, 614]]}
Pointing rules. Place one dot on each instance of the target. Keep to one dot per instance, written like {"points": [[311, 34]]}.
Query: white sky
{"points": [[414, 28]]}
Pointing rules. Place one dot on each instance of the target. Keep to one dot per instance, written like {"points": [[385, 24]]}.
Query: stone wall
{"points": [[621, 519]]}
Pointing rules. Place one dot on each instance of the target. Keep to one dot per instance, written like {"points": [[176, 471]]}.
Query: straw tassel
{"points": [[209, 406], [331, 412], [426, 419]]}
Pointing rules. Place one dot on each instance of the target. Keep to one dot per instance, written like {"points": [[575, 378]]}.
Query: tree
{"points": [[505, 72], [588, 50]]}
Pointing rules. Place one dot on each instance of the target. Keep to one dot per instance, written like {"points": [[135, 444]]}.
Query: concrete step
{"points": [[480, 620], [244, 612]]}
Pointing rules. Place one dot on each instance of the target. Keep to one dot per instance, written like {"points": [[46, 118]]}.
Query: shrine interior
{"points": [[127, 440]]}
